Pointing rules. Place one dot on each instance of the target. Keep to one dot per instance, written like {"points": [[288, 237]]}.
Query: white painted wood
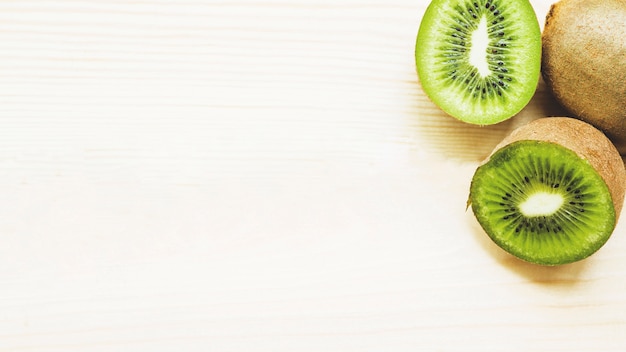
{"points": [[258, 176]]}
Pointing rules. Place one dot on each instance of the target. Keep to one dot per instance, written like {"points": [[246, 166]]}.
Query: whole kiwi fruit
{"points": [[551, 192], [584, 62]]}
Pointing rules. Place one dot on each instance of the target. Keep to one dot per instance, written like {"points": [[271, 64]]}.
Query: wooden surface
{"points": [[258, 176]]}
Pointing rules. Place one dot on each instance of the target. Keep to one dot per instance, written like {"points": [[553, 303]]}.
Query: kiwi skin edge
{"points": [[583, 62], [586, 141]]}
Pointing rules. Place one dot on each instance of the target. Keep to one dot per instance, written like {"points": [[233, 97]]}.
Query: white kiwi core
{"points": [[478, 48], [541, 204]]}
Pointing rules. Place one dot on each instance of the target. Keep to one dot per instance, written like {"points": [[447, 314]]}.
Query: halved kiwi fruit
{"points": [[551, 192], [479, 60]]}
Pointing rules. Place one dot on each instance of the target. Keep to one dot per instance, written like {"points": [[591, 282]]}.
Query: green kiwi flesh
{"points": [[542, 203], [479, 60]]}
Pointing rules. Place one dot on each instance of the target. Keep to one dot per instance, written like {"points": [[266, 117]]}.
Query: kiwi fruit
{"points": [[551, 192], [584, 62], [479, 60]]}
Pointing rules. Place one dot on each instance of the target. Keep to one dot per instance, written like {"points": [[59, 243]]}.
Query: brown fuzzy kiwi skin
{"points": [[584, 62], [586, 141]]}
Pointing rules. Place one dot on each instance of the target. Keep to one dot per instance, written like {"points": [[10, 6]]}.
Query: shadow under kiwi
{"points": [[561, 275], [437, 132]]}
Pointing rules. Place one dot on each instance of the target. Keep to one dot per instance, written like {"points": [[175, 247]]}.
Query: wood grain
{"points": [[257, 176]]}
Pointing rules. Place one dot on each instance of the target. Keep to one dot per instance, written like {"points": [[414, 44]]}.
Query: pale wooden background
{"points": [[258, 176]]}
